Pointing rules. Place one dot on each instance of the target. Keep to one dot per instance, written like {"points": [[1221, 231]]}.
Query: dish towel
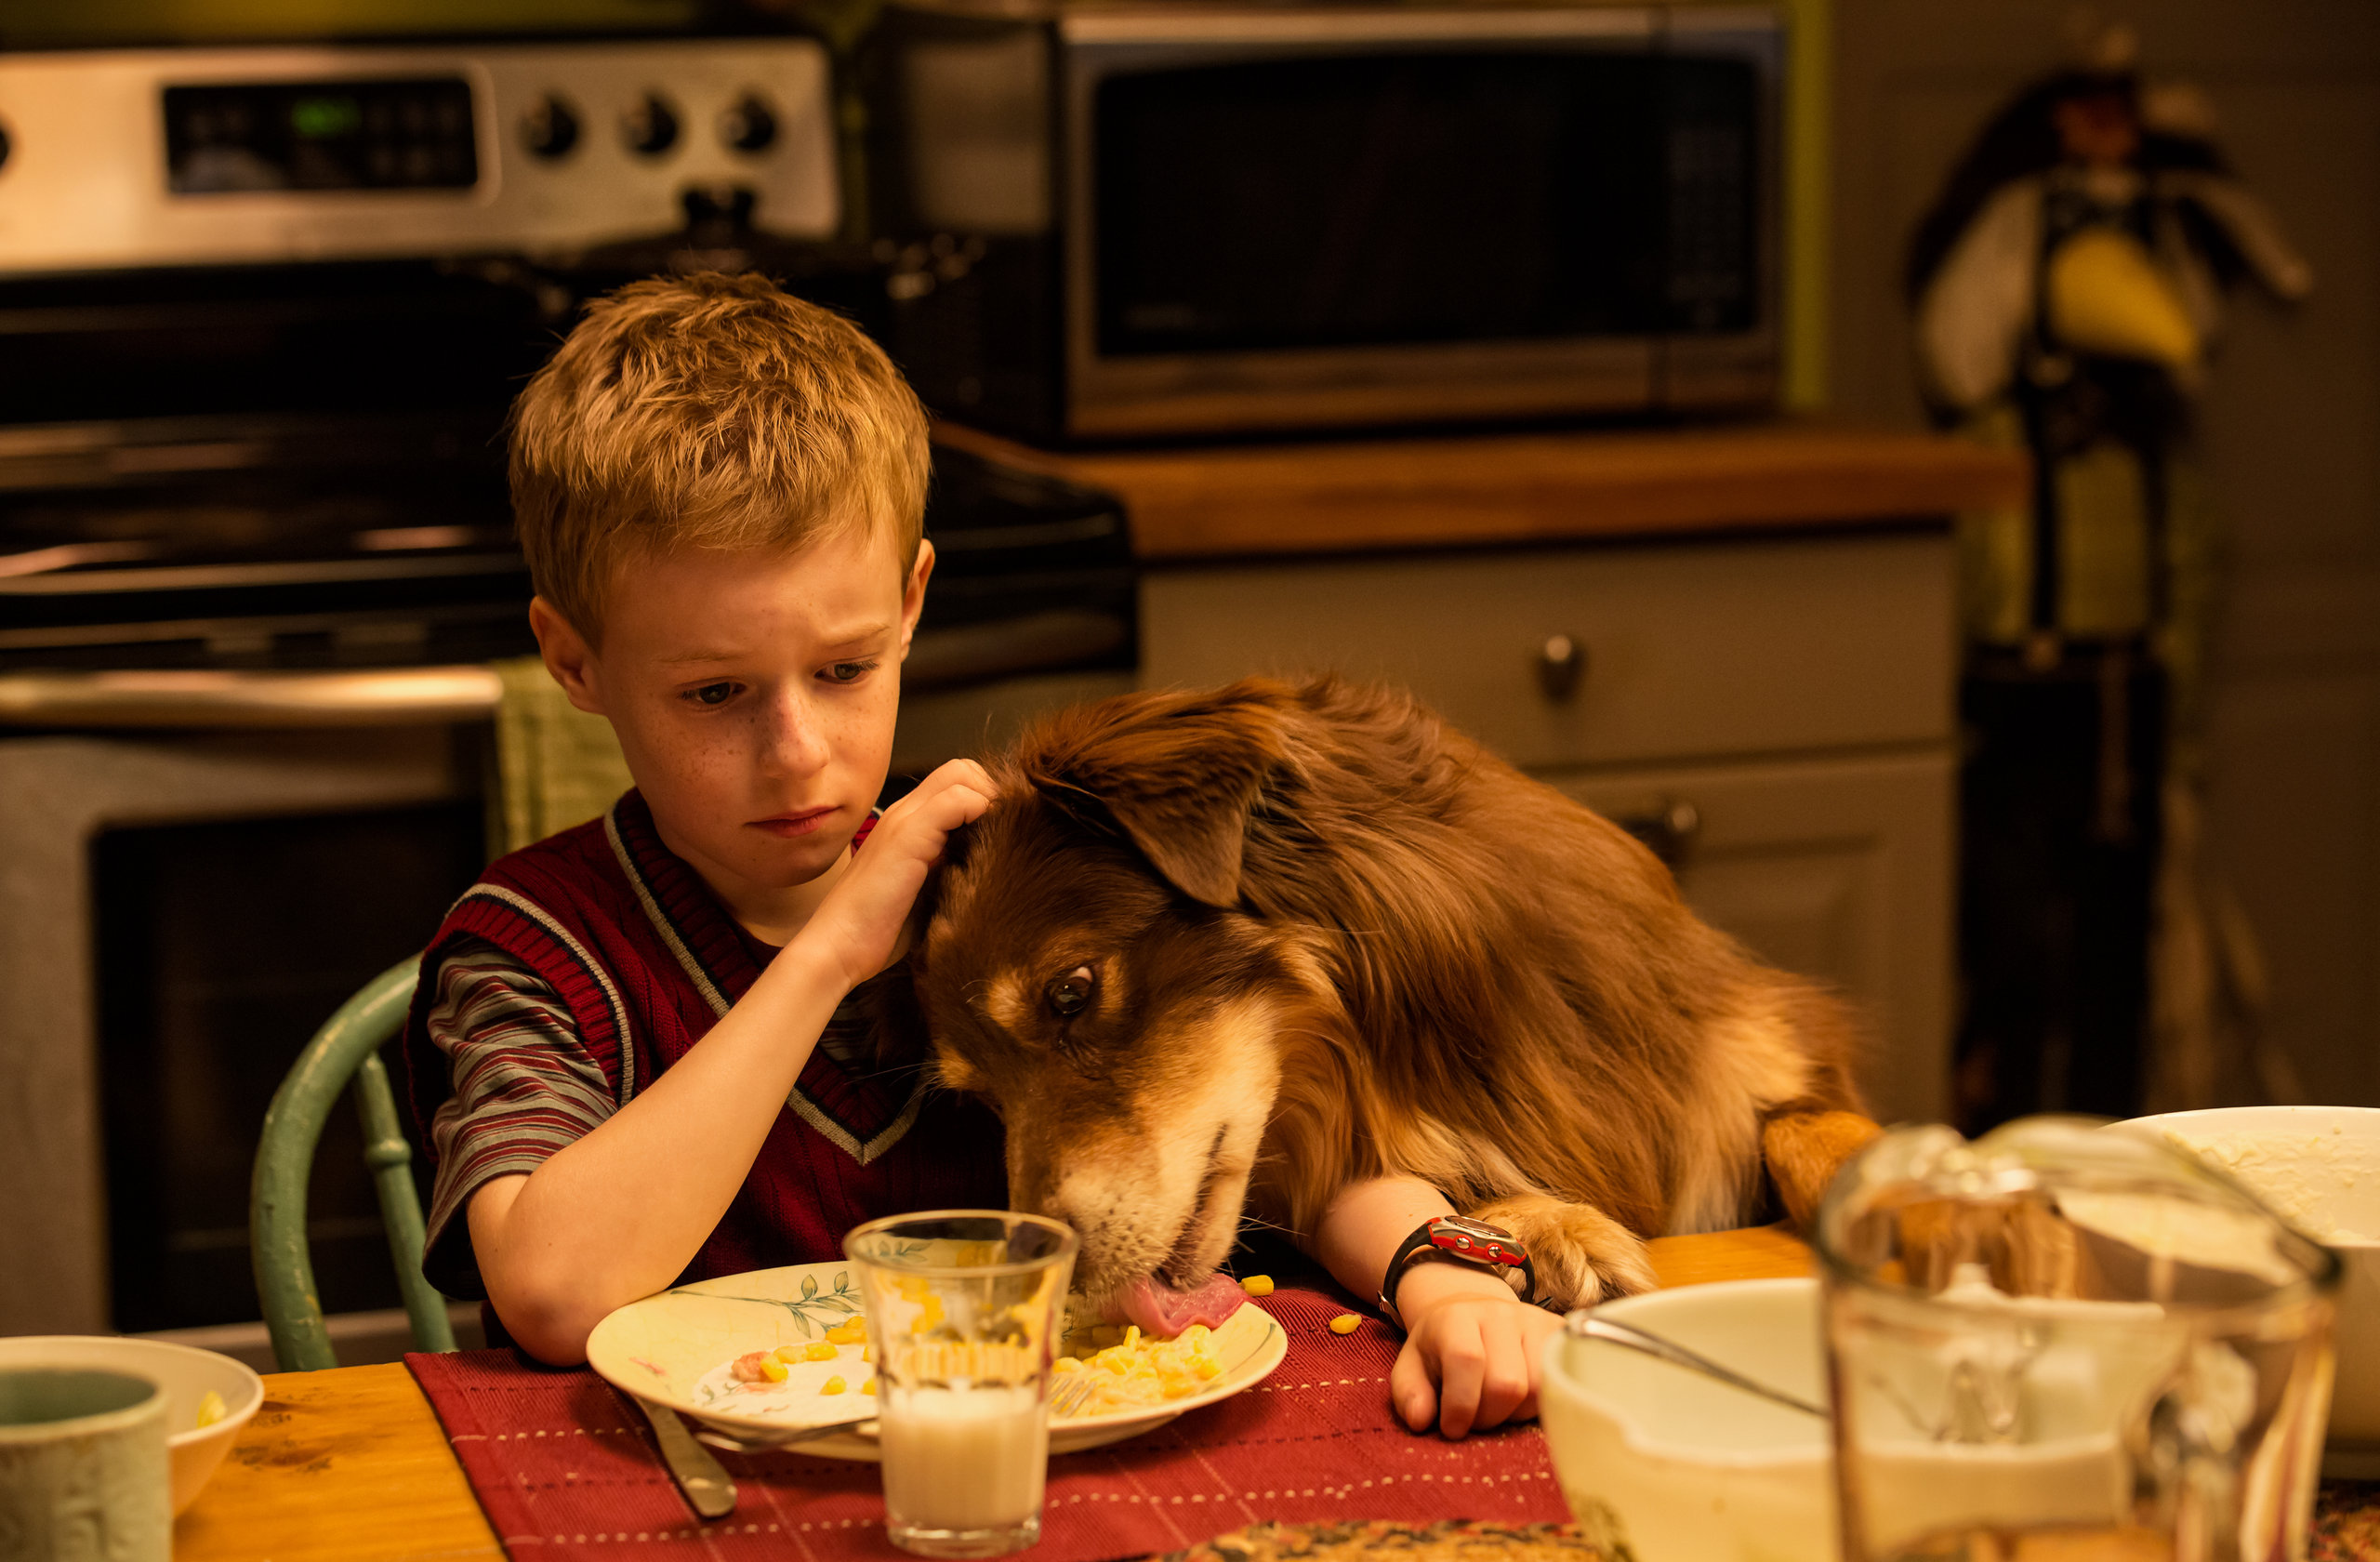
{"points": [[564, 1467], [557, 766]]}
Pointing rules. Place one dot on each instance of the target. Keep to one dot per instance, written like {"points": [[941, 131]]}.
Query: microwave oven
{"points": [[1123, 221]]}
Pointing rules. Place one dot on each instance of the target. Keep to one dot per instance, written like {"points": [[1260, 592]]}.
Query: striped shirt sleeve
{"points": [[523, 1087]]}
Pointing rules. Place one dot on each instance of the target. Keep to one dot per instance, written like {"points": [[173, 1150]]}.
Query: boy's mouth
{"points": [[786, 826]]}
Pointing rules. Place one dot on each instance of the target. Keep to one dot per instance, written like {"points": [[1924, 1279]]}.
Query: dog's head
{"points": [[1087, 971]]}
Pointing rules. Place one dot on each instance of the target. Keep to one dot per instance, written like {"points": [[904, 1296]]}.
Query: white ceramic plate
{"points": [[673, 1349]]}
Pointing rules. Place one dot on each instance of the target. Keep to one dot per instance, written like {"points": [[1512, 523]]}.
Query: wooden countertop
{"points": [[1442, 491], [351, 1465]]}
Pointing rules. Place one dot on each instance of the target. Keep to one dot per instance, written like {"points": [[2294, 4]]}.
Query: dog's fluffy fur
{"points": [[1326, 938]]}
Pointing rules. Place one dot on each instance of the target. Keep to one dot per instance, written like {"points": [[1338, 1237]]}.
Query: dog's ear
{"points": [[1178, 775]]}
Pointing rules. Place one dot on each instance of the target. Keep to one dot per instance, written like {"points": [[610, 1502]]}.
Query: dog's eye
{"points": [[1071, 993]]}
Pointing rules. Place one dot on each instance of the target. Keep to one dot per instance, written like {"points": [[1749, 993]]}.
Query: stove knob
{"points": [[550, 129], [748, 125], [651, 127]]}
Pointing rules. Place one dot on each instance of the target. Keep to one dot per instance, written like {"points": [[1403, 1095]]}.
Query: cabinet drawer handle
{"points": [[1668, 831], [1561, 661]]}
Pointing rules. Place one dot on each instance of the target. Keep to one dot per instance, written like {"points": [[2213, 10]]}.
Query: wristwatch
{"points": [[1460, 1239]]}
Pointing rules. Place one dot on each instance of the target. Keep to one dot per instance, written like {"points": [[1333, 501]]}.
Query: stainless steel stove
{"points": [[262, 311]]}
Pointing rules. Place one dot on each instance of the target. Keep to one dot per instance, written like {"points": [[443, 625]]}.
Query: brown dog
{"points": [[1238, 949]]}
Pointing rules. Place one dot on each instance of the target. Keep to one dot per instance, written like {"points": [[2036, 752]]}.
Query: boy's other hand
{"points": [[1473, 1359], [857, 928]]}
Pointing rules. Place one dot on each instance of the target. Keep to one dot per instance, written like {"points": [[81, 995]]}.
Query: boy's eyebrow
{"points": [[855, 635], [859, 634]]}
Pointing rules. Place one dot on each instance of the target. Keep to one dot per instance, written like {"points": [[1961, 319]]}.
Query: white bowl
{"points": [[1677, 1468], [185, 1374], [2319, 1167]]}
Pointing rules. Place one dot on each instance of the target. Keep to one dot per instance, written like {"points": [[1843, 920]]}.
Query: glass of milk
{"points": [[965, 1308]]}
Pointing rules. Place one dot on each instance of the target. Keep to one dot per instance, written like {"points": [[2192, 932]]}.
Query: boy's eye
{"points": [[848, 672], [711, 693]]}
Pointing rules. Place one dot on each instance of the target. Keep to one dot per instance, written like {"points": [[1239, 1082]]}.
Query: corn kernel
{"points": [[868, 1387], [210, 1409], [851, 1331], [868, 1354], [786, 1353], [1346, 1323], [832, 1385], [1257, 1285], [772, 1369], [820, 1351]]}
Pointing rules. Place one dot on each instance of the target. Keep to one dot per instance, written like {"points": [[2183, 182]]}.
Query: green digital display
{"points": [[379, 133], [322, 119]]}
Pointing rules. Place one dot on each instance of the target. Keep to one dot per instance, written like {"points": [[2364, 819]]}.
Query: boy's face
{"points": [[754, 696]]}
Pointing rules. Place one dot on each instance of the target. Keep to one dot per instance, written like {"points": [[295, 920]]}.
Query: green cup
{"points": [[83, 1468]]}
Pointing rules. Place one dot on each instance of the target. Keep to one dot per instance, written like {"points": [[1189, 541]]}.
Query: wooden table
{"points": [[351, 1465]]}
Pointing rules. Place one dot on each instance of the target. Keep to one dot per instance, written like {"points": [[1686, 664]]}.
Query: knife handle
{"points": [[705, 1483]]}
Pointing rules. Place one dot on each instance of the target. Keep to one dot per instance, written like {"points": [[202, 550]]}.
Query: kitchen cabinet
{"points": [[1774, 711], [1836, 869]]}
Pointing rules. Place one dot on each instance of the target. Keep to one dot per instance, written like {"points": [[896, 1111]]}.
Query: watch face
{"points": [[1476, 1241]]}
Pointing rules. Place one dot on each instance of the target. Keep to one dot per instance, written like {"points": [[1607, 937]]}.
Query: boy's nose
{"points": [[794, 743]]}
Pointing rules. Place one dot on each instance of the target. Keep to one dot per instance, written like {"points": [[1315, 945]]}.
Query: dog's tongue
{"points": [[1164, 1312]]}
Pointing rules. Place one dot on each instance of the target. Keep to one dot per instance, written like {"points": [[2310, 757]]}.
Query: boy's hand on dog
{"points": [[1473, 1352], [858, 927]]}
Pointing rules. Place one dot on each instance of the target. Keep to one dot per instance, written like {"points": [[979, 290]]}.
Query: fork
{"points": [[1074, 1392], [766, 1442]]}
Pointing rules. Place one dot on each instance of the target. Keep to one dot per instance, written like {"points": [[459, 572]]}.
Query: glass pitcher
{"points": [[2063, 1339]]}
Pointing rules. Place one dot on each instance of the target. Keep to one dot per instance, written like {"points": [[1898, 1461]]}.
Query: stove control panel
{"points": [[130, 158]]}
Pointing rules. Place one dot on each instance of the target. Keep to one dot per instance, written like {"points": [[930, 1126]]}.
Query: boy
{"points": [[643, 1049]]}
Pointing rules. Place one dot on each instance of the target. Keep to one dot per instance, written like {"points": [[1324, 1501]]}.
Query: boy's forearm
{"points": [[1361, 1230], [619, 1213]]}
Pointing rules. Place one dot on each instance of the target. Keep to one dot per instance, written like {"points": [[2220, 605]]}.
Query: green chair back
{"points": [[347, 1049]]}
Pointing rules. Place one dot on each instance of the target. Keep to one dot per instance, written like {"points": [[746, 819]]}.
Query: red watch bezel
{"points": [[1477, 1241]]}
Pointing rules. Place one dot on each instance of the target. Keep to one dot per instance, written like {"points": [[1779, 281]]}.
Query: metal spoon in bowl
{"points": [[1583, 1325]]}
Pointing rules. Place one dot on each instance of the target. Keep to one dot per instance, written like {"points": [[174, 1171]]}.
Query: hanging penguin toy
{"points": [[2065, 288]]}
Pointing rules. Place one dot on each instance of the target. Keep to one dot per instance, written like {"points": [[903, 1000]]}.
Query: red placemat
{"points": [[564, 1467]]}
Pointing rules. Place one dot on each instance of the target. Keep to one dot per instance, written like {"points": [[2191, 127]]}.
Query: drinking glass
{"points": [[2062, 1339], [964, 1310]]}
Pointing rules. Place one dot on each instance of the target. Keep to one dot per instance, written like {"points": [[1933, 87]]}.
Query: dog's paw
{"points": [[1581, 1254], [1804, 1151]]}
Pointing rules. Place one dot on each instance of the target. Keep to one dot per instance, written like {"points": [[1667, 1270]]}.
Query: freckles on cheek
{"points": [[689, 757], [865, 730]]}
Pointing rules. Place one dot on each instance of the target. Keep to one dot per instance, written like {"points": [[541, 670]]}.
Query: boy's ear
{"points": [[913, 594], [569, 660]]}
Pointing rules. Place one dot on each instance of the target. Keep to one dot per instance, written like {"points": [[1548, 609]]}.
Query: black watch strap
{"points": [[1419, 1247]]}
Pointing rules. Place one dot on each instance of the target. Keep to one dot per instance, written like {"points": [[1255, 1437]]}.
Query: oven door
{"points": [[1313, 218]]}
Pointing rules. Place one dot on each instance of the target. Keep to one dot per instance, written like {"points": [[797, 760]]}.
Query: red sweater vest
{"points": [[647, 960]]}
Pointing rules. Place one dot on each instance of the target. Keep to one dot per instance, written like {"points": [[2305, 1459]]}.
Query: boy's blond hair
{"points": [[707, 411]]}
